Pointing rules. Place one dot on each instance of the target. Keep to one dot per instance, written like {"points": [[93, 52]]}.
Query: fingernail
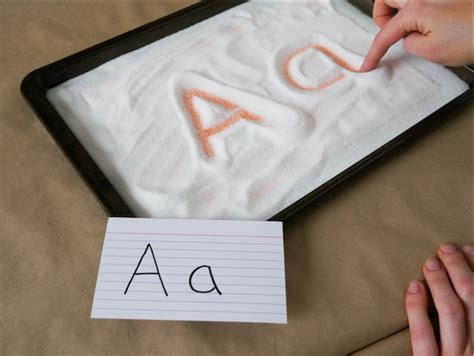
{"points": [[468, 249], [432, 264], [414, 287], [448, 248]]}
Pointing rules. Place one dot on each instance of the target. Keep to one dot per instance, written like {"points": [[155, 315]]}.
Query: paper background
{"points": [[348, 257]]}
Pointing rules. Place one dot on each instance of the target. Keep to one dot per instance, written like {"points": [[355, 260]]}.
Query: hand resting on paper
{"points": [[439, 31], [451, 283]]}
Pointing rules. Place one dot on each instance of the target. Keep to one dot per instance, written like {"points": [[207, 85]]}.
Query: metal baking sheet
{"points": [[35, 86]]}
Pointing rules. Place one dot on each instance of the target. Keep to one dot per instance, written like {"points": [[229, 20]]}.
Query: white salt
{"points": [[131, 115]]}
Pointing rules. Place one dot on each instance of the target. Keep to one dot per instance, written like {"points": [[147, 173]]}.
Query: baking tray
{"points": [[36, 84]]}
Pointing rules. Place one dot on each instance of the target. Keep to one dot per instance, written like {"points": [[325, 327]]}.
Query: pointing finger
{"points": [[390, 34]]}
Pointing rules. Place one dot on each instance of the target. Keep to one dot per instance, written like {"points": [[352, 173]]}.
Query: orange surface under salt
{"points": [[335, 58], [229, 119], [205, 133]]}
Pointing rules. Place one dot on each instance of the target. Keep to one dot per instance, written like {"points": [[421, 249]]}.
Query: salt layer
{"points": [[313, 117]]}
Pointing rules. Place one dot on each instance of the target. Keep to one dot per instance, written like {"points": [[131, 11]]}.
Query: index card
{"points": [[192, 270]]}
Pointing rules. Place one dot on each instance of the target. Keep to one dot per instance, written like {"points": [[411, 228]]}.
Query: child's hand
{"points": [[439, 31], [451, 283]]}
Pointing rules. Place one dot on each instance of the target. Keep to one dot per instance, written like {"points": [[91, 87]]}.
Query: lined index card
{"points": [[192, 270]]}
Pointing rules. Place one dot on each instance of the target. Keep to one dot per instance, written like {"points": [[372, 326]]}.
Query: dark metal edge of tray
{"points": [[35, 85], [375, 156]]}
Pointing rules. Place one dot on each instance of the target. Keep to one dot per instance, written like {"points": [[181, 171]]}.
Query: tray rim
{"points": [[35, 85]]}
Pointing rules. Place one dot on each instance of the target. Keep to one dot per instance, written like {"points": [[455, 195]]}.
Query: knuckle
{"points": [[415, 8], [452, 311], [466, 291], [453, 260], [419, 333], [413, 302], [427, 9], [437, 279], [415, 5]]}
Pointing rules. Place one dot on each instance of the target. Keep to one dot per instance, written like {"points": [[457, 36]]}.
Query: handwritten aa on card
{"points": [[192, 270]]}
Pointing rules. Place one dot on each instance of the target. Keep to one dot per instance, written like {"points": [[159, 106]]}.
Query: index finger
{"points": [[390, 34]]}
